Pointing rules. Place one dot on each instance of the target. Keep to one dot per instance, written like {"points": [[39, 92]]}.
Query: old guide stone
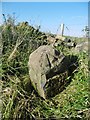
{"points": [[45, 65]]}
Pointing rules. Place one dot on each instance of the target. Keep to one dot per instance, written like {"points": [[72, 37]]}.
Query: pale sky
{"points": [[49, 15]]}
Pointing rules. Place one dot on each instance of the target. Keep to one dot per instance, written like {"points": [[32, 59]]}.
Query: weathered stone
{"points": [[41, 61], [82, 47], [51, 39], [45, 63], [62, 38]]}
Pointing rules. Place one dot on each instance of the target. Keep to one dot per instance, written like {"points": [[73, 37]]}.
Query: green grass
{"points": [[20, 100], [75, 97]]}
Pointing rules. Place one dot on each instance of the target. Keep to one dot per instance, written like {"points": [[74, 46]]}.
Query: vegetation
{"points": [[20, 101]]}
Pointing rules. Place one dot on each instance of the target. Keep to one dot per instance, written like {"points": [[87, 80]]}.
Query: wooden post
{"points": [[62, 29]]}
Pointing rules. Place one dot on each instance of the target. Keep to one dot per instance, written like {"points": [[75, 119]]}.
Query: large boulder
{"points": [[45, 63]]}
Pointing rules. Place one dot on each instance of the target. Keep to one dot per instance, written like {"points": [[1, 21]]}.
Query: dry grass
{"points": [[20, 101]]}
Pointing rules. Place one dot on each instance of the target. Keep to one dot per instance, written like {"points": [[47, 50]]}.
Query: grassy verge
{"points": [[20, 101]]}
